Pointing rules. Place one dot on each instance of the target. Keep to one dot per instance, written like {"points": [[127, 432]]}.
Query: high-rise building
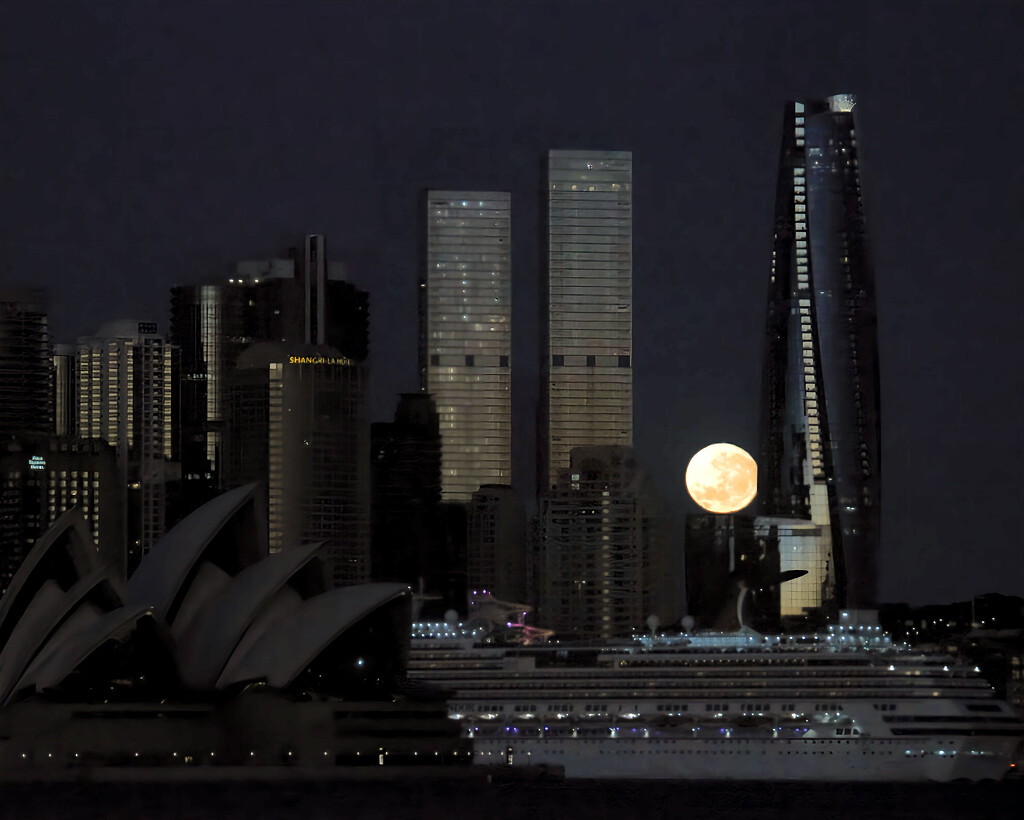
{"points": [[465, 335], [302, 299], [607, 564], [405, 465], [65, 391], [587, 321], [26, 404], [127, 377], [297, 422], [496, 543], [820, 408]]}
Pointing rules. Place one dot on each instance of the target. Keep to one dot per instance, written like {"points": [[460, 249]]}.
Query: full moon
{"points": [[722, 478]]}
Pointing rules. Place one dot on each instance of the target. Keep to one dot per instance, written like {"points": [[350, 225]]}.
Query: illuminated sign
{"points": [[147, 327], [37, 463], [319, 360]]}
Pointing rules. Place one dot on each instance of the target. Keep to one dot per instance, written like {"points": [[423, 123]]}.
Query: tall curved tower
{"points": [[820, 468]]}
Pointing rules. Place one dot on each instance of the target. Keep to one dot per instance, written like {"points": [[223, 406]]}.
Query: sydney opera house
{"points": [[214, 652]]}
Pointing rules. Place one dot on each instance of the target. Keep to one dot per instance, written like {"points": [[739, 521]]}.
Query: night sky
{"points": [[145, 145]]}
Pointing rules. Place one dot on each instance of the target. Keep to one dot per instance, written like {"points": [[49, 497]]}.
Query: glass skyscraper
{"points": [[466, 335], [586, 353], [820, 446]]}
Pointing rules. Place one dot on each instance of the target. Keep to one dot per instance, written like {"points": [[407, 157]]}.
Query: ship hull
{"points": [[768, 759]]}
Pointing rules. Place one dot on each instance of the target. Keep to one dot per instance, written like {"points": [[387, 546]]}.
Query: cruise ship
{"points": [[842, 705]]}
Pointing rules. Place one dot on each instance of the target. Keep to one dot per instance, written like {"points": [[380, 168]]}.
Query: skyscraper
{"points": [[405, 467], [465, 335], [127, 383], [25, 363], [496, 543], [301, 299], [298, 424], [820, 449], [586, 353], [607, 565], [65, 391]]}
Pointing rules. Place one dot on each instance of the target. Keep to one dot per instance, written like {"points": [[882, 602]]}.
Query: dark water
{"points": [[539, 801]]}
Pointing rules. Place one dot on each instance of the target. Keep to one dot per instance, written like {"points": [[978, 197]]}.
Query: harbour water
{"points": [[406, 800]]}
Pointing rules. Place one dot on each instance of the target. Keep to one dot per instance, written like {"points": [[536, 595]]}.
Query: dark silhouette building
{"points": [[25, 363], [298, 425], [405, 467], [301, 299], [820, 448], [496, 542], [606, 559]]}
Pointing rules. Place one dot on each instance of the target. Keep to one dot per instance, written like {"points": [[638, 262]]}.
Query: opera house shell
{"points": [[213, 652]]}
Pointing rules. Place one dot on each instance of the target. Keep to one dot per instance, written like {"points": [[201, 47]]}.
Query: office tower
{"points": [[607, 563], [465, 335], [127, 376], [65, 391], [820, 406], [405, 467], [297, 421], [587, 321], [496, 543], [212, 325], [297, 300], [25, 366]]}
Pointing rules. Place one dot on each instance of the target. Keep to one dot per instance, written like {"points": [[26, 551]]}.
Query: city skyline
{"points": [[127, 187]]}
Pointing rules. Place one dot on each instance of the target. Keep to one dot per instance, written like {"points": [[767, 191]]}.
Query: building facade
{"points": [[298, 425], [820, 406], [606, 555], [127, 378], [42, 477], [466, 335], [587, 321], [298, 299], [405, 467], [496, 543], [25, 363], [65, 391]]}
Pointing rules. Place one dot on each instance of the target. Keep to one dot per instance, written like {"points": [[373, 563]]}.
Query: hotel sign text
{"points": [[320, 360]]}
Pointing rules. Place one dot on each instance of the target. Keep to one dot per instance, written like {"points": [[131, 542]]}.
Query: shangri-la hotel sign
{"points": [[324, 360]]}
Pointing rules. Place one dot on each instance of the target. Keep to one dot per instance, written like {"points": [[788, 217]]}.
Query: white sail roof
{"points": [[294, 640], [203, 651], [165, 569]]}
